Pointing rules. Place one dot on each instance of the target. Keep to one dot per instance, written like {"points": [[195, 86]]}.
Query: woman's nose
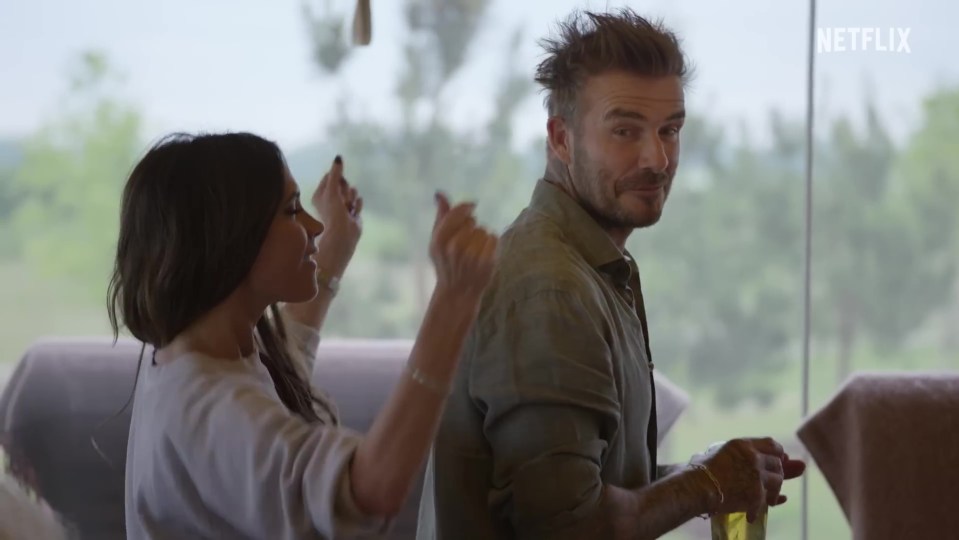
{"points": [[314, 227]]}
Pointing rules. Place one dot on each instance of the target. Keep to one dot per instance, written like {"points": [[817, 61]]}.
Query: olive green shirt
{"points": [[554, 395]]}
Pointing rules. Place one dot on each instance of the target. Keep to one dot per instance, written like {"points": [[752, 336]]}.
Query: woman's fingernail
{"points": [[338, 160]]}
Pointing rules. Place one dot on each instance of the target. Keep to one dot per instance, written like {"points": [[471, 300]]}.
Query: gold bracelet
{"points": [[715, 482], [429, 382]]}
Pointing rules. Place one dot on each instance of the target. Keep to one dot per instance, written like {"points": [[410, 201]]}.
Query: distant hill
{"points": [[10, 154]]}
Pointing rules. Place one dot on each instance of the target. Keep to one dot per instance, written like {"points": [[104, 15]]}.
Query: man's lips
{"points": [[645, 189]]}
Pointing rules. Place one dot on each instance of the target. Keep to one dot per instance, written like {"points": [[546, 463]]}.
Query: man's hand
{"points": [[750, 473], [338, 206]]}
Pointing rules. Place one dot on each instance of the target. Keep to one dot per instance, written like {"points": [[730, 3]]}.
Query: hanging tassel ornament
{"points": [[362, 23]]}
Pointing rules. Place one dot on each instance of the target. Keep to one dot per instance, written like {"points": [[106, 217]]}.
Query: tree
{"points": [[402, 167], [719, 316], [927, 176], [720, 270], [70, 180], [885, 251], [9, 198]]}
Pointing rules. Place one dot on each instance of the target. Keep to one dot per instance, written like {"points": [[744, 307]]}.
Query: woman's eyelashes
{"points": [[295, 208]]}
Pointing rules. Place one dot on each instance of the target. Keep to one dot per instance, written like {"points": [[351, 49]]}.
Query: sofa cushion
{"points": [[64, 395]]}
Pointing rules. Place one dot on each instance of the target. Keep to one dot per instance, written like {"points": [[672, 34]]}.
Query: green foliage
{"points": [[9, 200], [927, 176], [722, 271], [399, 169], [70, 180], [886, 232], [328, 34]]}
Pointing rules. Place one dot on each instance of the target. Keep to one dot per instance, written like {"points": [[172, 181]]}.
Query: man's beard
{"points": [[590, 180]]}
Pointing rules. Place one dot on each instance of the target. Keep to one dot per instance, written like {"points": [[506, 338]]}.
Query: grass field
{"points": [[33, 307]]}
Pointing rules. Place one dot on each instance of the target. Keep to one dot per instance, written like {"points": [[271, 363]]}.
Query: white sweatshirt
{"points": [[214, 453]]}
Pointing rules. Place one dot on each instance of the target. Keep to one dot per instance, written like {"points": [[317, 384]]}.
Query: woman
{"points": [[227, 439]]}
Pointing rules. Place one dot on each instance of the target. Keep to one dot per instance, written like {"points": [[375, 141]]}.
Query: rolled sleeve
{"points": [[543, 373]]}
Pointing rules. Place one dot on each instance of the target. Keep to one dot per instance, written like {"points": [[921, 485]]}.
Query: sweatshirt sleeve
{"points": [[305, 341], [266, 471]]}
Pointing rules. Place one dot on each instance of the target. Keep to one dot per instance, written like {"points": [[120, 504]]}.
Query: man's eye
{"points": [[672, 131]]}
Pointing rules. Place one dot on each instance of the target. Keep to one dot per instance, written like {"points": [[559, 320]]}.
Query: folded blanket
{"points": [[671, 401], [888, 445]]}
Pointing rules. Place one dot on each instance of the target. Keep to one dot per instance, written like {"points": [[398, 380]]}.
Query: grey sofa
{"points": [[63, 410]]}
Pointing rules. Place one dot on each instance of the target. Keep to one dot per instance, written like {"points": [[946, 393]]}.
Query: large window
{"points": [[886, 190], [723, 270], [443, 99]]}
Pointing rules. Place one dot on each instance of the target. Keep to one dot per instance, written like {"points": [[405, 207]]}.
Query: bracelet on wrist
{"points": [[431, 383], [715, 482]]}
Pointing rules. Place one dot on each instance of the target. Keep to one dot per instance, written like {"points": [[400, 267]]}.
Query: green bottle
{"points": [[735, 527]]}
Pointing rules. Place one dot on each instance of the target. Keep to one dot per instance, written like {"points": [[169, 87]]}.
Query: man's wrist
{"points": [[706, 483]]}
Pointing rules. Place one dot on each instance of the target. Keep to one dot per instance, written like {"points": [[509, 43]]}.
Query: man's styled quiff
{"points": [[589, 43]]}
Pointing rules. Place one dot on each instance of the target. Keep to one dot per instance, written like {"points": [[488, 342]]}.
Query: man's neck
{"points": [[618, 235], [559, 177]]}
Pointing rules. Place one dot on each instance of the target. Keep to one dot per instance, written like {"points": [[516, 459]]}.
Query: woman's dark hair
{"points": [[194, 213]]}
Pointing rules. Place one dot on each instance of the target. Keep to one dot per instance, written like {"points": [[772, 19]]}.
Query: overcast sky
{"points": [[245, 64]]}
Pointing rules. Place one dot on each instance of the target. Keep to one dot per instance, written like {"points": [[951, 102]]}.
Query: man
{"points": [[550, 430]]}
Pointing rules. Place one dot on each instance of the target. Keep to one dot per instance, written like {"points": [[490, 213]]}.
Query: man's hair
{"points": [[590, 43]]}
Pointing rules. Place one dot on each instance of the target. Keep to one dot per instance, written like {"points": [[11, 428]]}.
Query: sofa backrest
{"points": [[65, 411]]}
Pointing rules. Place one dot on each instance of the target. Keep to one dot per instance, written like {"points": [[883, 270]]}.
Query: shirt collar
{"points": [[581, 230]]}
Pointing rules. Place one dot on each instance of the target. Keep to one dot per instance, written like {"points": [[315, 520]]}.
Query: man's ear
{"points": [[558, 137]]}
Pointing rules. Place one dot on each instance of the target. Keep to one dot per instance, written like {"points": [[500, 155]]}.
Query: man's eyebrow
{"points": [[619, 112]]}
